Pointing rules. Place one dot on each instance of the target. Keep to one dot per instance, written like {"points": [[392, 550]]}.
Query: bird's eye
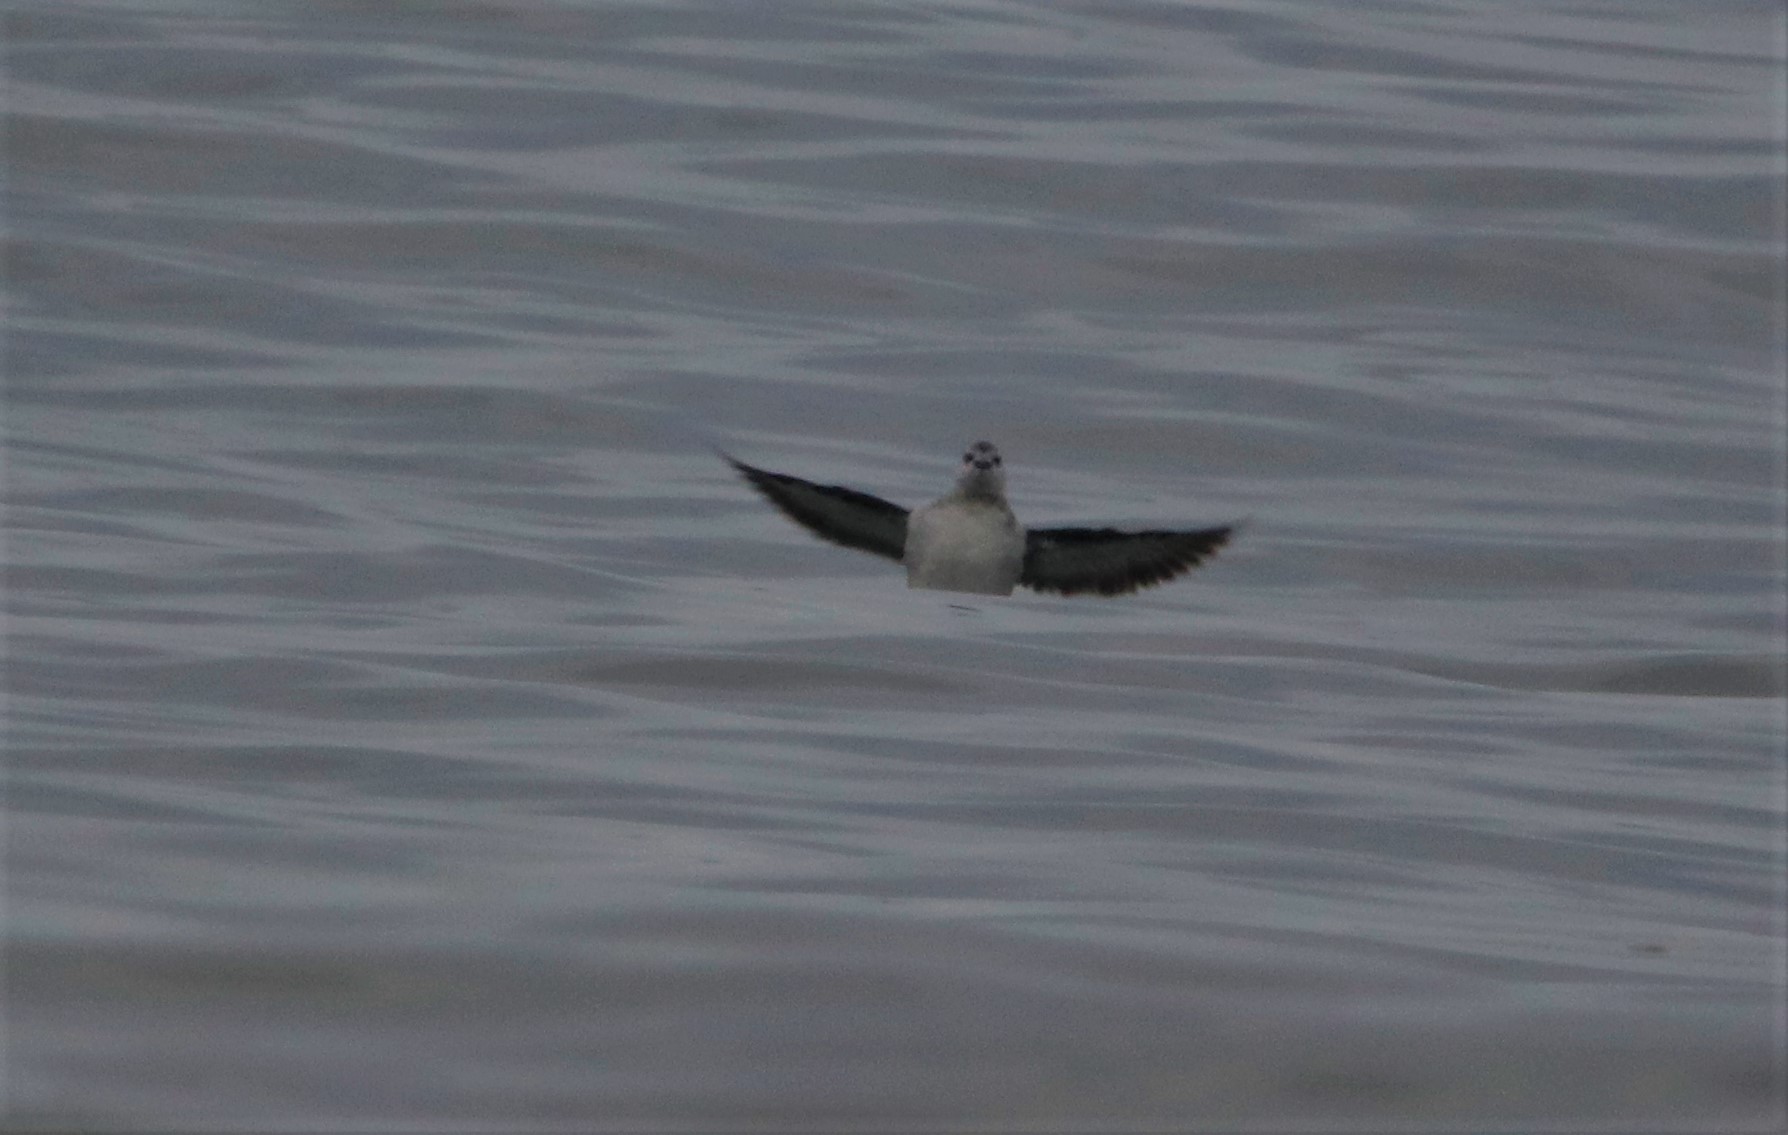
{"points": [[968, 457], [996, 459]]}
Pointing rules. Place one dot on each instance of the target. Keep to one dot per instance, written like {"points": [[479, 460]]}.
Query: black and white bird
{"points": [[968, 540]]}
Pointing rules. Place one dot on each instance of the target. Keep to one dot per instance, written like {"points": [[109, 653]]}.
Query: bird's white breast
{"points": [[964, 544]]}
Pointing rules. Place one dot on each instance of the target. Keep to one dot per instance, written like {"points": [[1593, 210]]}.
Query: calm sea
{"points": [[413, 724]]}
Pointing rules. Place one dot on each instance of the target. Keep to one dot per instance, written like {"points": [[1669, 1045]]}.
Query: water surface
{"points": [[411, 721]]}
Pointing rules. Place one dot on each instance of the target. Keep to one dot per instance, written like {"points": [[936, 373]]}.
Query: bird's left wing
{"points": [[1073, 561], [833, 512]]}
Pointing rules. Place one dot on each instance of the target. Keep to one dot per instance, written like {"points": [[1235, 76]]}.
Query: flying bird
{"points": [[968, 539]]}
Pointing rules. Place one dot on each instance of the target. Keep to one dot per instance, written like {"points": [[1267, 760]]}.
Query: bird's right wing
{"points": [[833, 512], [1071, 561]]}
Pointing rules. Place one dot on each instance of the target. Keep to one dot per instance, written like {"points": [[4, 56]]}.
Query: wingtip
{"points": [[750, 473]]}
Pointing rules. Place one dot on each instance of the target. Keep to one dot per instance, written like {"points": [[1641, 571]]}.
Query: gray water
{"points": [[412, 723]]}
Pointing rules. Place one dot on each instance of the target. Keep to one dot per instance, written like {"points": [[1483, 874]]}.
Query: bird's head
{"points": [[983, 473]]}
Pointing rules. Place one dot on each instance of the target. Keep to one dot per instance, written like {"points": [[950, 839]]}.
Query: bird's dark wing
{"points": [[1073, 561], [833, 512]]}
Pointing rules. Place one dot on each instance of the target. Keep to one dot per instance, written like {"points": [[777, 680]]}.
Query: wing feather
{"points": [[832, 512], [1073, 561]]}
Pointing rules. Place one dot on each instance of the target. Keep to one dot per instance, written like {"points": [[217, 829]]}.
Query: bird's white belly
{"points": [[964, 545]]}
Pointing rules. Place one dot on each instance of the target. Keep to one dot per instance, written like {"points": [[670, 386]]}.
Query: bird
{"points": [[969, 541]]}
